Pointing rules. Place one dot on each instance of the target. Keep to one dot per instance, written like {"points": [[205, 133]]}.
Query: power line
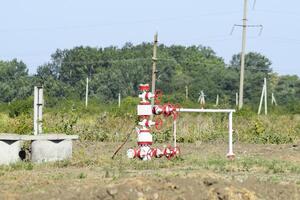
{"points": [[95, 26], [278, 12]]}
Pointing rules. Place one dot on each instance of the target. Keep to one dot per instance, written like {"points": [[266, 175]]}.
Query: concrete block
{"points": [[51, 150], [9, 151]]}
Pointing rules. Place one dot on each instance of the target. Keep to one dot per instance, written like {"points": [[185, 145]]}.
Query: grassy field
{"points": [[267, 163], [201, 172]]}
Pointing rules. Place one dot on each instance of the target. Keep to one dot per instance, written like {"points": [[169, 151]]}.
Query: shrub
{"points": [[20, 107]]}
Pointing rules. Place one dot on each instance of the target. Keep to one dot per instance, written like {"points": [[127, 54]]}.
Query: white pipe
{"points": [[205, 110], [230, 153], [230, 150], [174, 133]]}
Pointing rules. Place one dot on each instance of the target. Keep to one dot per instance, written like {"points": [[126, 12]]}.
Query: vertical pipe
{"points": [[174, 132], [266, 97], [230, 150], [35, 111], [86, 92], [119, 100]]}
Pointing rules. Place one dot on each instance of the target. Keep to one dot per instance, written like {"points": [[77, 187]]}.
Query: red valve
{"points": [[170, 151], [158, 123]]}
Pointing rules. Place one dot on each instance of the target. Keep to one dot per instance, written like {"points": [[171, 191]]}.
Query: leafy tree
{"points": [[14, 80]]}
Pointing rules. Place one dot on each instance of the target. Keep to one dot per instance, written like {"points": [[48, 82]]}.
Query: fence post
{"points": [[38, 110]]}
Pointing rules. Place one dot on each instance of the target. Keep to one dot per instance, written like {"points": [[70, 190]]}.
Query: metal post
{"points": [[119, 100], [241, 95], [266, 97], [174, 132], [86, 92], [230, 153], [236, 99], [154, 60]]}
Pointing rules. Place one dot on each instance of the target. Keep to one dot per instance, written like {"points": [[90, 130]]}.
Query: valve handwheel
{"points": [[167, 109]]}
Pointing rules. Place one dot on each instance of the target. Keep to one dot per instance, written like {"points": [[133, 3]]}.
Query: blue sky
{"points": [[32, 30]]}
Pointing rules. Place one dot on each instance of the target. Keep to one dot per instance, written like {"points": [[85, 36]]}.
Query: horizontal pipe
{"points": [[205, 110]]}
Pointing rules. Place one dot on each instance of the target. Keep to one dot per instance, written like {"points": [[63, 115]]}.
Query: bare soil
{"points": [[202, 172]]}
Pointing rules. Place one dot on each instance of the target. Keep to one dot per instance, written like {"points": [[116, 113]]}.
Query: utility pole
{"points": [[241, 95], [263, 97], [266, 96], [273, 100], [154, 61], [244, 36], [201, 99]]}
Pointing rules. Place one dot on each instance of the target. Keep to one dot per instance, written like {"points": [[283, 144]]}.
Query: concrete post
{"points": [[38, 110]]}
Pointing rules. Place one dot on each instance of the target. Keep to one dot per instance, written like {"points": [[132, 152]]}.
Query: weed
{"points": [[62, 163], [82, 175]]}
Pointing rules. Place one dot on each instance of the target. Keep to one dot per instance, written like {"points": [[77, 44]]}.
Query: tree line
{"points": [[114, 70]]}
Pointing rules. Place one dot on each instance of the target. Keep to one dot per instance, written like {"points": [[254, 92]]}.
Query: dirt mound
{"points": [[177, 188]]}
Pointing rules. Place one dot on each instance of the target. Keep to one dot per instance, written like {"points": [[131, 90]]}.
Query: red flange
{"points": [[158, 123], [144, 87]]}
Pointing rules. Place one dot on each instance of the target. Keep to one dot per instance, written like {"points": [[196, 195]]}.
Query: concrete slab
{"points": [[9, 151], [51, 150], [10, 136], [44, 147], [51, 136]]}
